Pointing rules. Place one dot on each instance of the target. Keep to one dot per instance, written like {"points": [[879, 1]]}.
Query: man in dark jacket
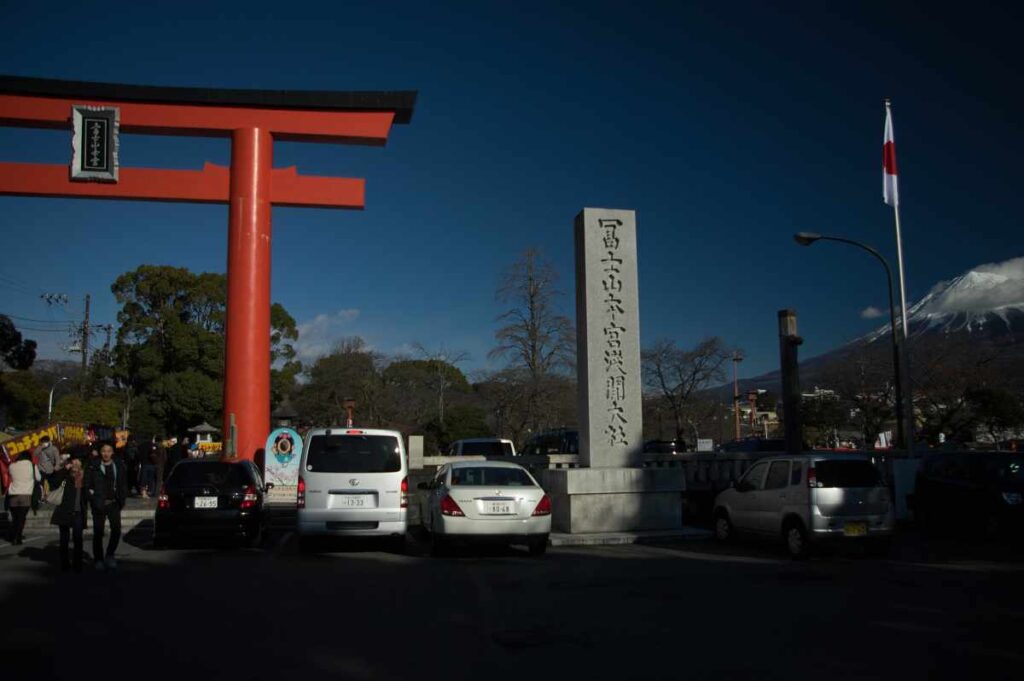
{"points": [[106, 483]]}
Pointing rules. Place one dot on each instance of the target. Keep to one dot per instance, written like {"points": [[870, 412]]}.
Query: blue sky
{"points": [[726, 128]]}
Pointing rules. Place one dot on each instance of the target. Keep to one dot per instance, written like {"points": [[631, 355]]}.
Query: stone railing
{"points": [[531, 462]]}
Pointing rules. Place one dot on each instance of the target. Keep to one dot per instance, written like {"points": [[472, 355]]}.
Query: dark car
{"points": [[559, 441], [978, 492], [211, 499], [664, 447]]}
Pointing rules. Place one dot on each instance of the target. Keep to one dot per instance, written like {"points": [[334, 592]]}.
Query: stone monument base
{"points": [[615, 499]]}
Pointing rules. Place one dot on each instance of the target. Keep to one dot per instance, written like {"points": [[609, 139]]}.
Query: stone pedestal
{"points": [[615, 499], [415, 452]]}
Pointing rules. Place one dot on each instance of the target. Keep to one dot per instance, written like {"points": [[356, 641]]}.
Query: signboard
{"points": [[705, 445], [94, 143], [63, 435], [283, 452]]}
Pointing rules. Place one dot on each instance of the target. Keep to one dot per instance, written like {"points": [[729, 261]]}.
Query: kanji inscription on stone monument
{"points": [[608, 343]]}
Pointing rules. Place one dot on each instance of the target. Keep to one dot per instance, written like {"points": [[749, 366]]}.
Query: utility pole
{"points": [[736, 359], [85, 344], [789, 341]]}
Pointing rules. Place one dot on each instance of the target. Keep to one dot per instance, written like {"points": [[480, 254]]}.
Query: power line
{"points": [[38, 321]]}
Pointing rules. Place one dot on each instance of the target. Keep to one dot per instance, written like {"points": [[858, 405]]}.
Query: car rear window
{"points": [[216, 474], [490, 477], [846, 474], [487, 449], [354, 454]]}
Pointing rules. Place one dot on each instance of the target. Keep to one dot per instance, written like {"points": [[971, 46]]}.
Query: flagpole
{"points": [[908, 393]]}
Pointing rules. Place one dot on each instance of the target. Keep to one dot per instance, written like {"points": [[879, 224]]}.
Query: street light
{"points": [[49, 409], [904, 427]]}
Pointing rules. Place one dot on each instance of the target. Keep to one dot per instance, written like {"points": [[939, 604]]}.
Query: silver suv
{"points": [[353, 481], [808, 498]]}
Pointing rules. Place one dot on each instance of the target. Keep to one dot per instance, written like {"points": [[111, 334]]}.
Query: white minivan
{"points": [[352, 482]]}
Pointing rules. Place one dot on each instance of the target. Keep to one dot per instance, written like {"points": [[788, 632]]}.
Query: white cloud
{"points": [[318, 336], [871, 312]]}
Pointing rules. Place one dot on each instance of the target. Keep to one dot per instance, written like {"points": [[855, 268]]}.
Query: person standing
{"points": [[160, 460], [69, 515], [148, 481], [48, 457], [24, 477], [106, 483]]}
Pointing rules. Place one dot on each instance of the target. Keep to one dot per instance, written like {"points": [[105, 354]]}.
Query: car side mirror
{"points": [[269, 486], [423, 485], [742, 486]]}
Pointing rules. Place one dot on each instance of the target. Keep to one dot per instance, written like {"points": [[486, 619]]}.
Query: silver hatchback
{"points": [[808, 498]]}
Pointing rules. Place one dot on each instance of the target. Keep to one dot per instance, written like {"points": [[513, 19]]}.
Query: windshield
{"points": [[490, 477], [198, 474], [354, 454], [492, 448], [846, 474]]}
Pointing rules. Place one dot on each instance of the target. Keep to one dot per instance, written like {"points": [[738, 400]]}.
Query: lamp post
{"points": [[49, 408], [737, 357], [904, 427]]}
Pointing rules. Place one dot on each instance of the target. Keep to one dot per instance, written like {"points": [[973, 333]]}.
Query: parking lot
{"points": [[690, 609]]}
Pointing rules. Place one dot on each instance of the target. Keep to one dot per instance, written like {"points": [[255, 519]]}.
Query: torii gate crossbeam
{"points": [[252, 119]]}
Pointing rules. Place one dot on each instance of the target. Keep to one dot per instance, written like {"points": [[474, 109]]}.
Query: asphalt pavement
{"points": [[690, 609]]}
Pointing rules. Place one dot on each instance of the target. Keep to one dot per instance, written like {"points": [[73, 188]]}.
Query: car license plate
{"points": [[855, 529], [205, 502], [499, 508], [355, 500]]}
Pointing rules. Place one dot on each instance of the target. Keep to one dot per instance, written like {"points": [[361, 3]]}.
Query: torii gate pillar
{"points": [[246, 382], [252, 119]]}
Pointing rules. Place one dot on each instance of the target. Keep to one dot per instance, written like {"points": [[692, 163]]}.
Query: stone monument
{"points": [[612, 492], [608, 339]]}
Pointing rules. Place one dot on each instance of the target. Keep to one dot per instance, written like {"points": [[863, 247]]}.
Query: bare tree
{"points": [[535, 338], [677, 377], [441, 362]]}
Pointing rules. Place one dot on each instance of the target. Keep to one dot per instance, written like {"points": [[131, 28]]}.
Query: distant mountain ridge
{"points": [[984, 304]]}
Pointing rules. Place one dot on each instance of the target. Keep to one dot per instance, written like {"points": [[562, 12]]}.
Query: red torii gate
{"points": [[253, 119]]}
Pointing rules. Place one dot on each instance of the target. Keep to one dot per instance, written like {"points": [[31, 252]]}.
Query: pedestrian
{"points": [[69, 515], [147, 482], [131, 460], [107, 487], [174, 455], [24, 478], [160, 460], [48, 457]]}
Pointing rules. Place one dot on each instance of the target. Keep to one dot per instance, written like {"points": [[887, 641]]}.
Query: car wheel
{"points": [[255, 537], [796, 540], [439, 545], [538, 546], [723, 527], [397, 545]]}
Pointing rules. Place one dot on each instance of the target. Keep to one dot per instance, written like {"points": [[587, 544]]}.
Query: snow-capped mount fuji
{"points": [[986, 302]]}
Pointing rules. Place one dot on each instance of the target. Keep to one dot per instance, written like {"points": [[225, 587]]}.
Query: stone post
{"points": [[789, 341], [608, 338]]}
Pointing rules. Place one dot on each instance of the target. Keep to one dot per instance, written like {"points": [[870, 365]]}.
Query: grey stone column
{"points": [[608, 338]]}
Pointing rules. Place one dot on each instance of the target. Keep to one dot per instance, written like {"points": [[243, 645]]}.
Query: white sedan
{"points": [[489, 501]]}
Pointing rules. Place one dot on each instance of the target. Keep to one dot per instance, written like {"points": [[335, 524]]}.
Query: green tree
{"points": [[170, 343], [23, 399], [100, 410], [350, 371], [823, 418], [15, 352]]}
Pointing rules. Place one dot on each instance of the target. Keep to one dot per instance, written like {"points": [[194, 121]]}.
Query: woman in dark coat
{"points": [[69, 515]]}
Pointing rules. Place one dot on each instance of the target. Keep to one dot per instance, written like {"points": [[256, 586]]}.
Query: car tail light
{"points": [[249, 500], [163, 501], [405, 492], [353, 432], [543, 506], [812, 477], [300, 499], [449, 507]]}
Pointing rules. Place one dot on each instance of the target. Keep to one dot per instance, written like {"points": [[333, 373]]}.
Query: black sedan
{"points": [[211, 499]]}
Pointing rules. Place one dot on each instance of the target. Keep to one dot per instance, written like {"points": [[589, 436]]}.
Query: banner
{"points": [[283, 452], [63, 435]]}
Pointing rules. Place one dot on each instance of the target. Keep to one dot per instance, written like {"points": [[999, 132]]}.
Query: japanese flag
{"points": [[890, 191]]}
